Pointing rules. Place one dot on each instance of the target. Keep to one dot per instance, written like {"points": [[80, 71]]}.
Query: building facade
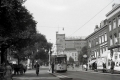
{"points": [[97, 41], [113, 18], [71, 52], [60, 43], [73, 48], [69, 46]]}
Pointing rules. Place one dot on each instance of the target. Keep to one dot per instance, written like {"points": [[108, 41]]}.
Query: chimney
{"points": [[96, 28], [114, 5]]}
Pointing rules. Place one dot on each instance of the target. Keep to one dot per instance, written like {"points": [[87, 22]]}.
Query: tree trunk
{"points": [[3, 55], [32, 63]]}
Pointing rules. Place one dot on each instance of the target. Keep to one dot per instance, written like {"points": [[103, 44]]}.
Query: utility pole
{"points": [[49, 57], [49, 60]]}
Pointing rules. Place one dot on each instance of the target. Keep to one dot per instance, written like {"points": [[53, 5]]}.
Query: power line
{"points": [[91, 18]]}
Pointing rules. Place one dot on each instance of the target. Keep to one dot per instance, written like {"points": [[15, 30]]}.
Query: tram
{"points": [[60, 62]]}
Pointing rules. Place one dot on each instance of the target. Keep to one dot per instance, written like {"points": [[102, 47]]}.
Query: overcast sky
{"points": [[54, 15]]}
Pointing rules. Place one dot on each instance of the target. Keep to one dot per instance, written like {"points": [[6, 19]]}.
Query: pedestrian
{"points": [[52, 67], [112, 66], [8, 74], [37, 68], [104, 67], [95, 66]]}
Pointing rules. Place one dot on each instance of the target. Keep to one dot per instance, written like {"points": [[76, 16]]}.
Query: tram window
{"points": [[119, 63]]}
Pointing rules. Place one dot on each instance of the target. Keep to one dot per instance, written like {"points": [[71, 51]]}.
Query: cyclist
{"points": [[37, 68]]}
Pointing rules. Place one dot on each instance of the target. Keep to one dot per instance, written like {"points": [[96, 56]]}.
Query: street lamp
{"points": [[85, 56], [49, 60]]}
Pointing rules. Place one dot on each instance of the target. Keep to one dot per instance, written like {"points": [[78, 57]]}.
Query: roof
{"points": [[70, 49], [115, 8], [96, 31]]}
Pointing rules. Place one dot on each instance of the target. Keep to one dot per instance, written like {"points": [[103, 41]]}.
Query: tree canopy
{"points": [[71, 60], [18, 30], [83, 51]]}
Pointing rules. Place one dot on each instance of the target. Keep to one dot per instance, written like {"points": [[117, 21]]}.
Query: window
{"points": [[114, 24], [110, 27], [75, 54], [100, 50], [119, 21], [99, 39], [96, 40], [119, 37], [103, 49], [75, 58], [111, 43], [115, 57], [72, 54], [106, 48], [119, 55], [102, 38], [115, 38], [89, 44], [105, 37]]}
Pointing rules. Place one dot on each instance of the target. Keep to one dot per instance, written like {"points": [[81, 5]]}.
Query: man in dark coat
{"points": [[112, 66], [52, 67]]}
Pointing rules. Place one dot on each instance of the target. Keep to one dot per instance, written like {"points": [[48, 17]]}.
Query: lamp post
{"points": [[49, 60], [85, 56]]}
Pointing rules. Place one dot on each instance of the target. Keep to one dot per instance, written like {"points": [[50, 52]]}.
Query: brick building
{"points": [[73, 48], [69, 46], [97, 41], [113, 18]]}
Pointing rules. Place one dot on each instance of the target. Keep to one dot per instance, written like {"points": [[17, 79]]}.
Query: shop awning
{"points": [[92, 61], [105, 54]]}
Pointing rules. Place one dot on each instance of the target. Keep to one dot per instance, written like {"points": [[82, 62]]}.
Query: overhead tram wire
{"points": [[91, 18]]}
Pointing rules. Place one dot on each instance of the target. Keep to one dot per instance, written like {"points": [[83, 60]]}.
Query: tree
{"points": [[83, 51], [43, 53], [71, 60], [17, 26]]}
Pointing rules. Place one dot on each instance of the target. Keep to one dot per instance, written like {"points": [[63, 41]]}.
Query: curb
{"points": [[60, 77]]}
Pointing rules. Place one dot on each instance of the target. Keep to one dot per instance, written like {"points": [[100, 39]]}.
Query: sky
{"points": [[77, 17]]}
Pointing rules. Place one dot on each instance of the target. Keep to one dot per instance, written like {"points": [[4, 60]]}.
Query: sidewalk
{"points": [[80, 69]]}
